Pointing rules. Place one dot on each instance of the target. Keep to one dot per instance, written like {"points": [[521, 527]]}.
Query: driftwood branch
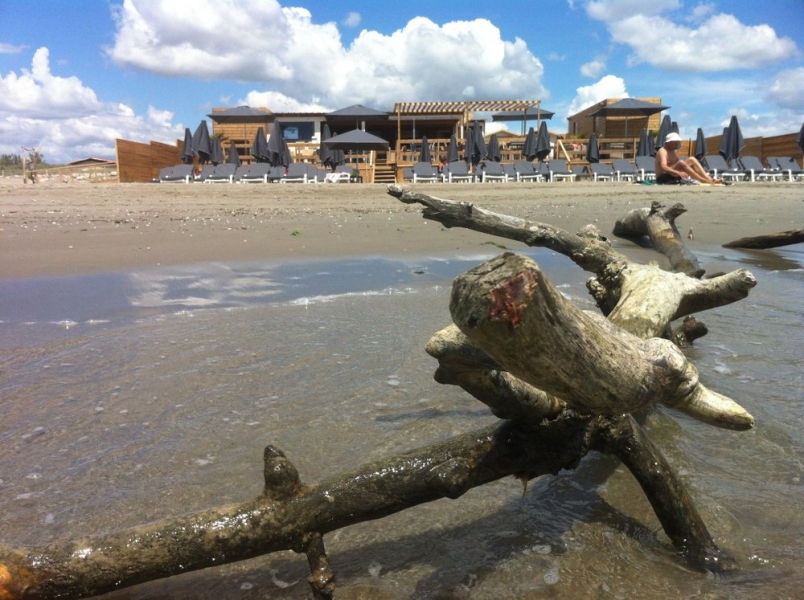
{"points": [[658, 224], [642, 299], [773, 240]]}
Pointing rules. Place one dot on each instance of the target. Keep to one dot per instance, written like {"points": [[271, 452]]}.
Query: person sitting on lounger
{"points": [[670, 168]]}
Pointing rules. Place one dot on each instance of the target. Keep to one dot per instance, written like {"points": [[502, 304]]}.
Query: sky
{"points": [[77, 74]]}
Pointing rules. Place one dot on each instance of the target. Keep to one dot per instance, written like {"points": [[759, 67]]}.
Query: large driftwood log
{"points": [[509, 309], [773, 240]]}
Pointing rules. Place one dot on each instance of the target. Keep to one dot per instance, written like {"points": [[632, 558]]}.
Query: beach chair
{"points": [[424, 172], [176, 174], [754, 169], [256, 173], [407, 174], [718, 168], [601, 172], [222, 173], [581, 172], [625, 170], [295, 173], [493, 171], [788, 166], [458, 171], [559, 171], [646, 168], [526, 171]]}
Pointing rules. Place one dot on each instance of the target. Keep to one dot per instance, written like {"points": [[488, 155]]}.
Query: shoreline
{"points": [[53, 228]]}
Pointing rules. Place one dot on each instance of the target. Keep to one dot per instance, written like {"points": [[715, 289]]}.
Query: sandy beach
{"points": [[56, 228]]}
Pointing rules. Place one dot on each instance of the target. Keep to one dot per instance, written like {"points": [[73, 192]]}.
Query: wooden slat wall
{"points": [[139, 163], [777, 145]]}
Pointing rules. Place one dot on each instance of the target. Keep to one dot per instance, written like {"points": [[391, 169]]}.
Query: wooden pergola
{"points": [[464, 108]]}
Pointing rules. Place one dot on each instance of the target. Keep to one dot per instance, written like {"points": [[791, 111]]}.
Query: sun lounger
{"points": [[493, 171], [176, 174], [256, 173], [424, 172], [625, 170], [295, 173], [788, 166], [559, 170], [719, 169], [222, 173], [458, 171], [526, 171], [754, 169], [601, 172], [646, 168]]}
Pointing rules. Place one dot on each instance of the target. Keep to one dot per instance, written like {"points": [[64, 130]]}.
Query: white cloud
{"points": [[11, 49], [40, 94], [283, 49], [66, 119], [352, 20], [609, 86], [593, 68], [720, 42], [785, 90]]}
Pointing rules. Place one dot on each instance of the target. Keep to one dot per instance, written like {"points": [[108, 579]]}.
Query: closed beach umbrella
{"points": [[475, 144], [216, 151], [187, 147], [452, 149], [665, 128], [732, 141], [542, 142], [424, 155], [593, 150], [643, 148], [234, 156], [493, 151], [201, 143], [278, 151], [529, 147], [700, 144], [259, 147], [324, 151]]}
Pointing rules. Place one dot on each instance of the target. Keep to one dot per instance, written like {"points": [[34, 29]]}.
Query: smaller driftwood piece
{"points": [[564, 381], [773, 240]]}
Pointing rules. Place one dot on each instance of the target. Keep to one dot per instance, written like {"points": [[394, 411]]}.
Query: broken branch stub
{"points": [[509, 309]]}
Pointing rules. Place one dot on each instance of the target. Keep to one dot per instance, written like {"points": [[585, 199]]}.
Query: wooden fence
{"points": [[140, 163]]}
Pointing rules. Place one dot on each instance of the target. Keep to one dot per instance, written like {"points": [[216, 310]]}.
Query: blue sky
{"points": [[76, 75]]}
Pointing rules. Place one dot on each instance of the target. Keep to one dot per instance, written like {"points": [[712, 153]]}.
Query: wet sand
{"points": [[55, 228]]}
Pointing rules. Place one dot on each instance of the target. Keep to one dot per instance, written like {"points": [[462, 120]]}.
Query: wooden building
{"points": [[582, 124]]}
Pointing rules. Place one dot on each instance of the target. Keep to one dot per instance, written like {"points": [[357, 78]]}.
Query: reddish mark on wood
{"points": [[511, 297]]}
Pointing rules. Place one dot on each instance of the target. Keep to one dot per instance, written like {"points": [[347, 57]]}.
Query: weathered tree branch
{"points": [[642, 299], [509, 309], [659, 225], [773, 240]]}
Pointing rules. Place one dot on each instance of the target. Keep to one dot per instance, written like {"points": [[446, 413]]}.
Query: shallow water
{"points": [[131, 397]]}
